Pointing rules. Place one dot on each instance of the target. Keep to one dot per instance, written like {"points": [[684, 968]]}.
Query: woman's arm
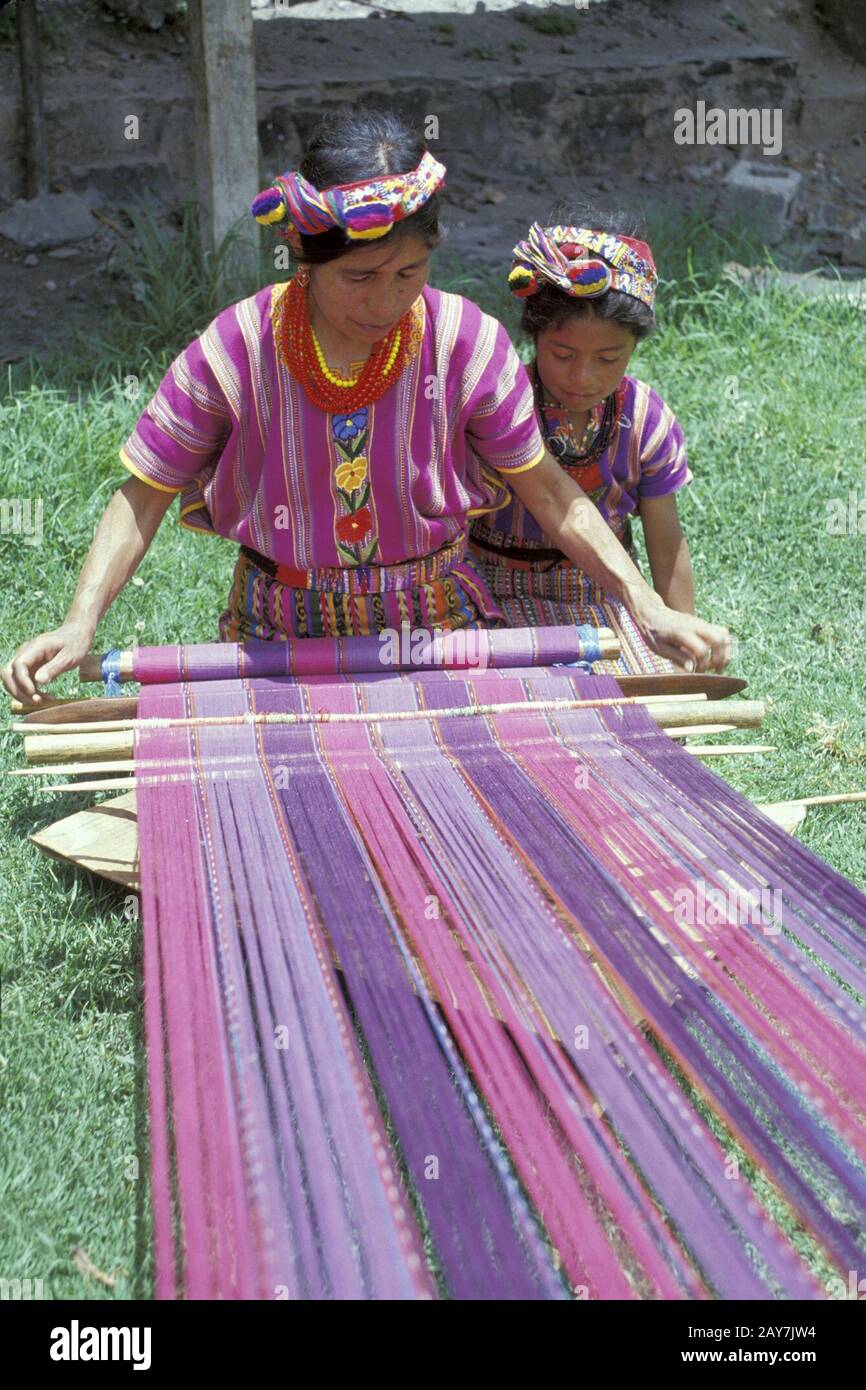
{"points": [[574, 524], [126, 529], [668, 552]]}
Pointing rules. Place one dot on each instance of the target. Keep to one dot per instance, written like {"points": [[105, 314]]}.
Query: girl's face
{"points": [[362, 295], [582, 361]]}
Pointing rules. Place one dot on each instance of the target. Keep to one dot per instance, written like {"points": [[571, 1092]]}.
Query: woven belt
{"points": [[525, 556], [364, 579]]}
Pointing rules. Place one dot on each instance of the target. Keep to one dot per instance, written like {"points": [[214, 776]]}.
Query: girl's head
{"points": [[361, 215], [588, 290]]}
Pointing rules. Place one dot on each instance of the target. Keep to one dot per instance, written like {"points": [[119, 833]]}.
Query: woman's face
{"points": [[582, 361], [362, 294]]}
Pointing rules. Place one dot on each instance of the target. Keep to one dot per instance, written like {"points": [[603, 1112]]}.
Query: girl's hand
{"points": [[41, 659], [684, 639]]}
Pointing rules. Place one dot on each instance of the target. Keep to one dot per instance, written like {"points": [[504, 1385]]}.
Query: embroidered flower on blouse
{"points": [[352, 481], [355, 526], [351, 474], [346, 427]]}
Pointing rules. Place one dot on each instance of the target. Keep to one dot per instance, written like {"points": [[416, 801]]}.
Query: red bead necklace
{"points": [[293, 333]]}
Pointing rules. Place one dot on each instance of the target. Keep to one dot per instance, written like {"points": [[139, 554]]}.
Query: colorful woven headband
{"points": [[583, 263], [364, 210]]}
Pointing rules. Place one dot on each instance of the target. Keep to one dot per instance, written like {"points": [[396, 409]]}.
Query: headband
{"points": [[366, 209], [583, 263]]}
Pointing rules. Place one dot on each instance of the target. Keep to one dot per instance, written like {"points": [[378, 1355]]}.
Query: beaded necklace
{"points": [[302, 354]]}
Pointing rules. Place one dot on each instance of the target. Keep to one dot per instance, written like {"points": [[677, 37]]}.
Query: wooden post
{"points": [[225, 124], [35, 157]]}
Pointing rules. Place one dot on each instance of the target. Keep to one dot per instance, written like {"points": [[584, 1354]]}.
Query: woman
{"points": [[343, 429], [588, 293]]}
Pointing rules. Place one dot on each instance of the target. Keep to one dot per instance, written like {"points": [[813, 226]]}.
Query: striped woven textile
{"points": [[635, 657], [563, 596], [522, 1004], [393, 649]]}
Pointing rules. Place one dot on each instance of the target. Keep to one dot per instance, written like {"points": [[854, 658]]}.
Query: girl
{"points": [[343, 428], [588, 299]]}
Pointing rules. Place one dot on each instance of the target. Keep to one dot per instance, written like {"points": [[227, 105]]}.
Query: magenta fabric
{"points": [[231, 429], [424, 1018], [400, 649]]}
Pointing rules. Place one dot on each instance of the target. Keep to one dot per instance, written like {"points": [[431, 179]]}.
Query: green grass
{"points": [[555, 23], [769, 389]]}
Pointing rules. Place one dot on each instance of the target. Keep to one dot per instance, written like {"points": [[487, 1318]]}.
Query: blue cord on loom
{"points": [[589, 637], [111, 672]]}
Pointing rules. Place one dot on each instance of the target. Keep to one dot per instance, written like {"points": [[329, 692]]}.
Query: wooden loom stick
{"points": [[834, 799], [82, 711], [58, 743], [715, 750], [51, 710], [683, 730], [321, 716], [91, 667], [365, 716], [38, 748], [118, 764], [88, 760], [790, 818], [102, 838], [791, 814], [44, 702], [90, 746], [113, 765], [681, 683], [709, 750], [109, 784]]}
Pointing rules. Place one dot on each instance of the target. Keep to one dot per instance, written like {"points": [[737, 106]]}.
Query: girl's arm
{"points": [[668, 552], [574, 524], [126, 529]]}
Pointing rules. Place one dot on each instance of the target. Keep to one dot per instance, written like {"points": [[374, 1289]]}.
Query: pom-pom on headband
{"points": [[583, 263], [365, 210]]}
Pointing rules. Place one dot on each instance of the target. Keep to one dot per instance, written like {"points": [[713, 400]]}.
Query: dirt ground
{"points": [[90, 53]]}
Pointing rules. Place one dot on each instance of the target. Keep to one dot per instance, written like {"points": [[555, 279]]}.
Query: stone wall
{"points": [[519, 108]]}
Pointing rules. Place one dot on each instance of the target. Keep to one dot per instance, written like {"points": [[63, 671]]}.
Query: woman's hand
{"points": [[126, 529], [682, 638], [41, 659]]}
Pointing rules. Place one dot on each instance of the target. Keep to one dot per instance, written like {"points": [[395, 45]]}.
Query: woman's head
{"points": [[584, 327], [360, 283], [352, 147]]}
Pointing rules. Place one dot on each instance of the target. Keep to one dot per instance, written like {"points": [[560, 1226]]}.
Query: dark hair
{"points": [[551, 307], [349, 146]]}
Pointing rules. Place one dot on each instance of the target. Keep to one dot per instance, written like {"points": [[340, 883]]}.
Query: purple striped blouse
{"points": [[231, 430], [645, 458]]}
